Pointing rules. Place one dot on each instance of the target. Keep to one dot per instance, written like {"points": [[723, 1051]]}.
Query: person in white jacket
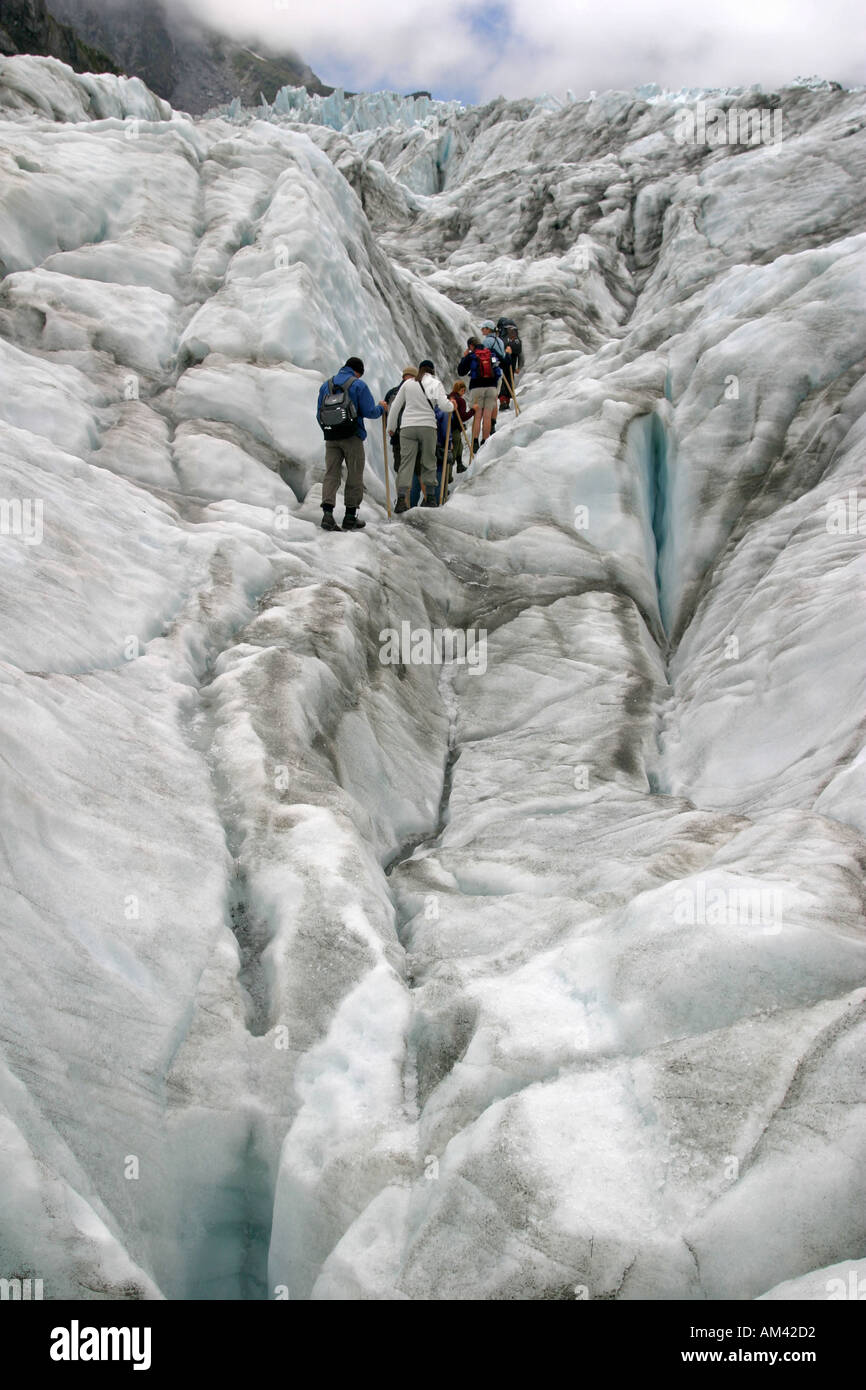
{"points": [[433, 388], [413, 407], [443, 404]]}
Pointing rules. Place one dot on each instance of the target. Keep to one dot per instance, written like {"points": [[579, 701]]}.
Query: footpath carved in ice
{"points": [[333, 976]]}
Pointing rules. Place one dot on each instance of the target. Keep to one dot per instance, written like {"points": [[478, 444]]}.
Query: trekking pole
{"points": [[445, 461], [466, 439], [385, 457], [463, 431], [511, 391]]}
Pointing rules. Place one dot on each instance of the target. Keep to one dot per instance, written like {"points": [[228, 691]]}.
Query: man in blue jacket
{"points": [[344, 404], [482, 367]]}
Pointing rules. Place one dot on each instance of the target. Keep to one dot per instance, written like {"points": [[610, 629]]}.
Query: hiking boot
{"points": [[402, 504], [328, 522], [351, 521], [461, 468], [492, 426], [476, 445], [430, 502]]}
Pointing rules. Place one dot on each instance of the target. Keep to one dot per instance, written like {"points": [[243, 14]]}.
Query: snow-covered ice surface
{"points": [[843, 1281], [324, 977]]}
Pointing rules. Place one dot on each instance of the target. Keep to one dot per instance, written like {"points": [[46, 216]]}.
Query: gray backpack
{"points": [[338, 414]]}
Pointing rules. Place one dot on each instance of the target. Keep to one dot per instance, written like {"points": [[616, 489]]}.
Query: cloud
{"points": [[620, 44], [525, 47]]}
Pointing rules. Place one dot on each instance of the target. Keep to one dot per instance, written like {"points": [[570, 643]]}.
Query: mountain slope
{"points": [[347, 974], [179, 58], [27, 27]]}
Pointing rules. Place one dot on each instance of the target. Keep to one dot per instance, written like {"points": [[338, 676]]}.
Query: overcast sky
{"points": [[476, 49]]}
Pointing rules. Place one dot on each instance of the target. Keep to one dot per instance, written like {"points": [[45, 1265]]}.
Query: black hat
{"points": [[426, 365], [355, 365]]}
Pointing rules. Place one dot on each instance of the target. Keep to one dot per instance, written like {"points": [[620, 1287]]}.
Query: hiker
{"points": [[510, 335], [344, 404], [493, 341], [417, 417], [484, 372], [458, 397], [433, 388], [508, 331], [394, 433], [435, 393], [443, 436], [514, 348]]}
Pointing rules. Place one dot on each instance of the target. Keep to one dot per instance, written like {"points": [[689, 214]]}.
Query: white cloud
{"points": [[549, 45], [622, 43]]}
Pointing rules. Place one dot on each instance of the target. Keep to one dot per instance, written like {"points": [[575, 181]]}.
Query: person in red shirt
{"points": [[458, 396]]}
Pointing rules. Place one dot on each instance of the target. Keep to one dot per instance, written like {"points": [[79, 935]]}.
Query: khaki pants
{"points": [[338, 451], [415, 440]]}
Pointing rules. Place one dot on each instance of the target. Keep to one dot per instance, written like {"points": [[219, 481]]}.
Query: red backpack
{"points": [[484, 360]]}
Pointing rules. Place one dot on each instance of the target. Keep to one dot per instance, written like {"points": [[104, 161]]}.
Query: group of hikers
{"points": [[426, 425]]}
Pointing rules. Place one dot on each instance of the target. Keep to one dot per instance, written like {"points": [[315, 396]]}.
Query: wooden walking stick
{"points": [[463, 430], [466, 440], [445, 460], [385, 454], [511, 392]]}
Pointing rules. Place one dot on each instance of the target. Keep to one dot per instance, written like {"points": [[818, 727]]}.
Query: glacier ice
{"points": [[365, 111], [331, 979]]}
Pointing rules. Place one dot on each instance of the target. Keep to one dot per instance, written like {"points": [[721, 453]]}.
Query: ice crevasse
{"points": [[337, 979]]}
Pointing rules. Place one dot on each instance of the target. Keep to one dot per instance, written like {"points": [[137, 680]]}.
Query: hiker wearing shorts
{"points": [[494, 342], [479, 364]]}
